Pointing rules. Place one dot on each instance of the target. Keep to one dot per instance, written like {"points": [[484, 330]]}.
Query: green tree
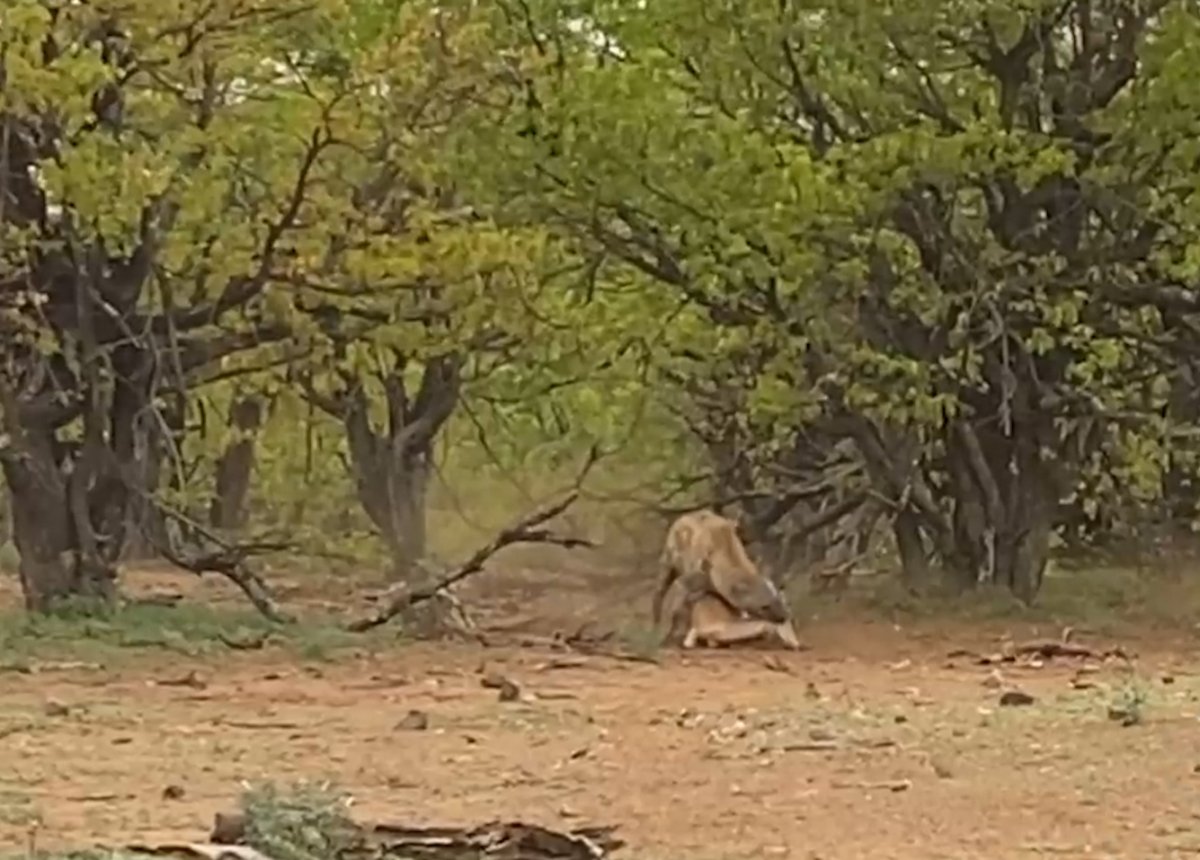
{"points": [[179, 188], [961, 228], [411, 293]]}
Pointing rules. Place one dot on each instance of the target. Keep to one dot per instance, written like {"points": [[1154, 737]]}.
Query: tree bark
{"points": [[235, 467], [391, 464], [157, 438], [391, 484], [910, 546], [51, 567], [1006, 503]]}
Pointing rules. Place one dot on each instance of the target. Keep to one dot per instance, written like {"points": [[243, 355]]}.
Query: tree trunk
{"points": [[1002, 501], [147, 525], [393, 495], [51, 568], [910, 546], [391, 465], [236, 465], [1005, 506], [5, 515]]}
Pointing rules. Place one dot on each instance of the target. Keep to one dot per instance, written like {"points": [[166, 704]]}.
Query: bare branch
{"points": [[227, 559], [526, 530], [797, 493]]}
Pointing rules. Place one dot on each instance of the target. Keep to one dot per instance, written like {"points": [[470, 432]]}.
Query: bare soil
{"points": [[875, 743]]}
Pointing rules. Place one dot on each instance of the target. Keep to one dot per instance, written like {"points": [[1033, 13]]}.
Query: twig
{"points": [[894, 785], [1050, 649], [249, 724], [798, 492]]}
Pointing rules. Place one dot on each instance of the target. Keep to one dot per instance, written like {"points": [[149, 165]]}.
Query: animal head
{"points": [[758, 597]]}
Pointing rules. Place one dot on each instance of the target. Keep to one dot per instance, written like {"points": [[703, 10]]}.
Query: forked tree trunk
{"points": [[51, 567], [992, 522], [71, 500], [1006, 504], [392, 484], [235, 467], [391, 465]]}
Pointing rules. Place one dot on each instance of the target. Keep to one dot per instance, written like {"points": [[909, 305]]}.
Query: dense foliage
{"points": [[839, 265]]}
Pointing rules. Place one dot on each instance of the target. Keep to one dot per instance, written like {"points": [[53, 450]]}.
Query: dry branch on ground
{"points": [[527, 530], [227, 559], [496, 840]]}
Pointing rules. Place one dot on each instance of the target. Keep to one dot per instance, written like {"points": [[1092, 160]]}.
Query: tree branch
{"points": [[525, 530], [228, 559]]}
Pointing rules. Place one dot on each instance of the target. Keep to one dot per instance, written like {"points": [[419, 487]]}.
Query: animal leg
{"points": [[689, 641], [665, 580], [787, 634], [681, 617]]}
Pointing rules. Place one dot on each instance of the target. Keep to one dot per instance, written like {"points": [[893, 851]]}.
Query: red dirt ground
{"points": [[873, 744]]}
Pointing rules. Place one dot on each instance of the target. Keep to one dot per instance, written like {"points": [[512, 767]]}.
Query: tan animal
{"points": [[704, 553], [714, 624]]}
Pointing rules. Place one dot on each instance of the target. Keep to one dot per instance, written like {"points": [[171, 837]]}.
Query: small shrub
{"points": [[1128, 705], [304, 822]]}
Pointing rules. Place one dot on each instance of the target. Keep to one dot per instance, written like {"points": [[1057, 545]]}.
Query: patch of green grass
{"points": [[1128, 703], [1100, 599], [105, 633], [641, 639], [890, 596]]}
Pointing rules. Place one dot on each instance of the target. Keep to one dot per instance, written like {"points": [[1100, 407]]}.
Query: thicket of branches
{"points": [[914, 278]]}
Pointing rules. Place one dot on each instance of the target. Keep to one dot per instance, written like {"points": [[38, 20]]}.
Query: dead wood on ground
{"points": [[227, 559], [528, 529]]}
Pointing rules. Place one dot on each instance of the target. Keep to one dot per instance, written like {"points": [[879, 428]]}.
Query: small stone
{"points": [[1125, 716], [940, 768], [173, 792], [228, 828], [1014, 698], [414, 721], [509, 691], [55, 708]]}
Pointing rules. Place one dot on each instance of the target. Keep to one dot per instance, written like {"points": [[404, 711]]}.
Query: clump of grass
{"points": [[643, 640], [306, 821], [10, 559], [1128, 705]]}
